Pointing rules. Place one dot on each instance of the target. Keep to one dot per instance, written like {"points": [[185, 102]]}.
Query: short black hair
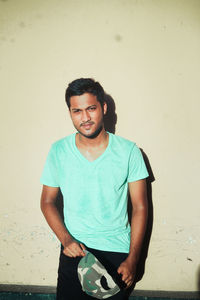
{"points": [[84, 85]]}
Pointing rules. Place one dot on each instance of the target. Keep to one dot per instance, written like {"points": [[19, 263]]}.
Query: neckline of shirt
{"points": [[83, 158]]}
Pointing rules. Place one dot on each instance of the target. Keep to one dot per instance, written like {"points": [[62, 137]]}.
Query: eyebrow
{"points": [[94, 105], [75, 109]]}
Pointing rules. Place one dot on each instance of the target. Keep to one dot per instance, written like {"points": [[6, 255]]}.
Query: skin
{"points": [[92, 139], [87, 117]]}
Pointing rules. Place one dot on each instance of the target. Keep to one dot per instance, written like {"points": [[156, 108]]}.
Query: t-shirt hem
{"points": [[138, 178], [107, 249], [48, 184]]}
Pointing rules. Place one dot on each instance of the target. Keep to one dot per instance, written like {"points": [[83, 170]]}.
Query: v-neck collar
{"points": [[83, 158]]}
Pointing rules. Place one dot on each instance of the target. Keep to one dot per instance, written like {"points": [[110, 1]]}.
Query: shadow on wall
{"points": [[198, 281], [147, 237], [110, 119]]}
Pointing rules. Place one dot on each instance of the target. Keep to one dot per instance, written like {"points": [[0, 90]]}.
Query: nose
{"points": [[85, 116]]}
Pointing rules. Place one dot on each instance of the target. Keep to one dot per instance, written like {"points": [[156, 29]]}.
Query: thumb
{"points": [[83, 247], [119, 270]]}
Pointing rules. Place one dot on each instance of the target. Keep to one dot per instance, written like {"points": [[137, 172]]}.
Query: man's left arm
{"points": [[138, 195]]}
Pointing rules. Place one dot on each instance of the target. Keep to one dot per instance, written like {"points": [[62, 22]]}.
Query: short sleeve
{"points": [[137, 167], [50, 172]]}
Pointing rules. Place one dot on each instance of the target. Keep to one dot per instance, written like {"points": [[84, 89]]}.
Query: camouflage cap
{"points": [[94, 278]]}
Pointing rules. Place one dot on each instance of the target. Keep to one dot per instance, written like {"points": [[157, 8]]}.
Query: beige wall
{"points": [[146, 55]]}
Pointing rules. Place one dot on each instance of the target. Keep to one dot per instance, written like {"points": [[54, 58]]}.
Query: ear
{"points": [[69, 111], [104, 108]]}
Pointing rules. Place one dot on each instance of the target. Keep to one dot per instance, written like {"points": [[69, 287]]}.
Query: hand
{"points": [[127, 269], [74, 249]]}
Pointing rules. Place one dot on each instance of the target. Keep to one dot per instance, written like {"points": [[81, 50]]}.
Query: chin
{"points": [[91, 135]]}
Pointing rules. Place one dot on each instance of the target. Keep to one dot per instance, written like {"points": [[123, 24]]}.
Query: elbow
{"points": [[140, 211], [46, 205], [43, 205]]}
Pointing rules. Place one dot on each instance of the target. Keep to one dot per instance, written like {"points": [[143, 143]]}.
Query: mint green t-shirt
{"points": [[95, 193]]}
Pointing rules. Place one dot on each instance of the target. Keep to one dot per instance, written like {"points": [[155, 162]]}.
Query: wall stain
{"points": [[38, 16], [179, 230], [118, 37], [189, 259], [22, 24]]}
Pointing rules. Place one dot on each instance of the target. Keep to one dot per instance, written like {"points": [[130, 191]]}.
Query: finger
{"points": [[82, 252], [119, 270], [82, 246], [71, 251], [67, 253], [122, 272], [125, 277], [128, 281], [129, 284], [77, 251]]}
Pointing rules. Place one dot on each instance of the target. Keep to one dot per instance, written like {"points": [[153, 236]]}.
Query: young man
{"points": [[94, 170]]}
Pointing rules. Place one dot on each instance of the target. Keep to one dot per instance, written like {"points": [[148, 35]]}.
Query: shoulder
{"points": [[121, 142], [63, 143]]}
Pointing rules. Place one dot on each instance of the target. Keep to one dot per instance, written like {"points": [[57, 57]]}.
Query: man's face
{"points": [[87, 114]]}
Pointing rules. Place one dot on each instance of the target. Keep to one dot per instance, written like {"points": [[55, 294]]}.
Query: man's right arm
{"points": [[48, 199]]}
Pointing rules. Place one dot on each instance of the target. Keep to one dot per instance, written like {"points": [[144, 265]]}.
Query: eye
{"points": [[75, 111], [92, 108]]}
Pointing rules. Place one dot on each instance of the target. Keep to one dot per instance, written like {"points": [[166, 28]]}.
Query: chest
{"points": [[103, 174], [91, 154]]}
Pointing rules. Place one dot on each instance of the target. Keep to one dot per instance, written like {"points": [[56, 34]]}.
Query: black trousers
{"points": [[69, 287]]}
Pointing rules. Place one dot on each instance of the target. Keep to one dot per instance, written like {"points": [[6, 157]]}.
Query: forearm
{"points": [[138, 228], [55, 221]]}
